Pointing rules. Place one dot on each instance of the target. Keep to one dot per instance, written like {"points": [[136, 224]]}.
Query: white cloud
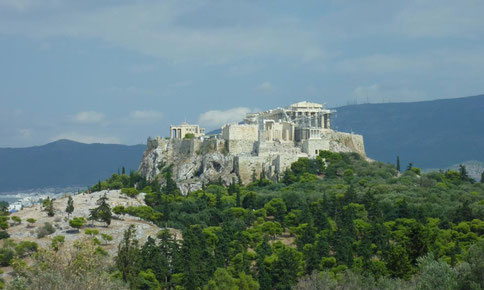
{"points": [[88, 117], [74, 136], [218, 118], [146, 116], [266, 87]]}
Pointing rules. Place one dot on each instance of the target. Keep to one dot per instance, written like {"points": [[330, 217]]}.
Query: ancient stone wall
{"points": [[240, 132], [197, 161]]}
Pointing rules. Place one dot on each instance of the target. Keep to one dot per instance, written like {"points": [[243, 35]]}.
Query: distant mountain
{"points": [[474, 168], [431, 134], [64, 163]]}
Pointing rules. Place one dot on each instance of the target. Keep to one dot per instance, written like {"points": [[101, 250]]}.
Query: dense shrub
{"points": [[45, 230], [130, 191]]}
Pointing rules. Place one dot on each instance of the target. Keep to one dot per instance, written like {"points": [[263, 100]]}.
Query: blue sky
{"points": [[120, 71]]}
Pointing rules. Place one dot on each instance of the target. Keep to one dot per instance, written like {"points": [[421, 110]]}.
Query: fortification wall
{"points": [[276, 147], [240, 147], [240, 132], [245, 166]]}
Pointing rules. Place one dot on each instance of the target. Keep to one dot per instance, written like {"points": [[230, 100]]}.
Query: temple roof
{"points": [[305, 104]]}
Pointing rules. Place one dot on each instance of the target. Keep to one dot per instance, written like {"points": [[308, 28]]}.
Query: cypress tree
{"points": [[398, 163], [237, 197], [170, 186], [232, 187], [482, 177], [70, 206], [127, 260]]}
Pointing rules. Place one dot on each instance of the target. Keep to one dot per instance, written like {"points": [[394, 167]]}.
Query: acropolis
{"points": [[271, 141]]}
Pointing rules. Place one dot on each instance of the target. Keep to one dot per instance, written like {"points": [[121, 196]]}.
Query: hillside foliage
{"points": [[334, 222]]}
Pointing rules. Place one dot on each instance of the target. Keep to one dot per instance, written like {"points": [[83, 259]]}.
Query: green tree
{"points": [[263, 250], [397, 262], [436, 274], [127, 259], [286, 267], [198, 263], [272, 228], [237, 197], [16, 219], [398, 163], [31, 221], [277, 208], [222, 280], [147, 280], [48, 205], [102, 212], [170, 186], [249, 201], [482, 177], [70, 206], [464, 176], [471, 272]]}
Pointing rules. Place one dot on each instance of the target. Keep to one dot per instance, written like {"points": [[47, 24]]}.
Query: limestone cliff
{"points": [[194, 161], [197, 161]]}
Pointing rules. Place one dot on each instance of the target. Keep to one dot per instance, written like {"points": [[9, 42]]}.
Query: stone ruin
{"points": [[271, 141]]}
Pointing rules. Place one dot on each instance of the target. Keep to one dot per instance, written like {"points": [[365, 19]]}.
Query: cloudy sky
{"points": [[118, 71]]}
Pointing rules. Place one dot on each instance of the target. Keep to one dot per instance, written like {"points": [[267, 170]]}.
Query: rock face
{"points": [[199, 161], [194, 162]]}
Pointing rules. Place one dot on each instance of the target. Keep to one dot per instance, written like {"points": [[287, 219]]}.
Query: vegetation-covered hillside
{"points": [[334, 222]]}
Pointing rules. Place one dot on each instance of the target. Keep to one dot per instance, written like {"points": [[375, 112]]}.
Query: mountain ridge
{"points": [[430, 134], [64, 163]]}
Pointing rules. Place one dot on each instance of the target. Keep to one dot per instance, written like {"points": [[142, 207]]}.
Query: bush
{"points": [[130, 191], [77, 222], [31, 221], [119, 209], [78, 267], [107, 238], [17, 220], [4, 235], [26, 247], [6, 256], [145, 212], [189, 136], [91, 232], [3, 222], [57, 242], [45, 230]]}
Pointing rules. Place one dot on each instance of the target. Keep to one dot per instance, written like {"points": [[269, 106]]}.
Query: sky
{"points": [[118, 71]]}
